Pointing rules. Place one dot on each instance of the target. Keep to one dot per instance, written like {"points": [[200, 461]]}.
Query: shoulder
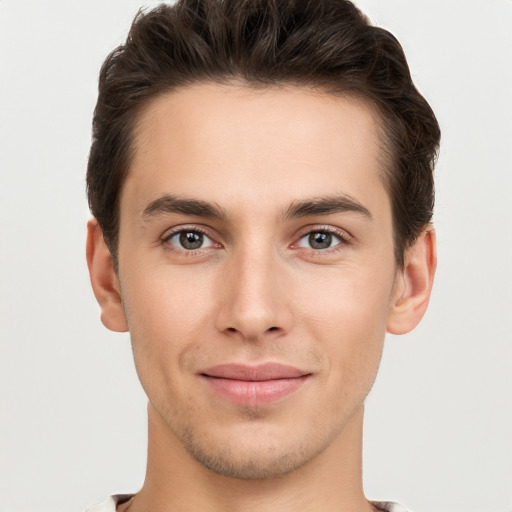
{"points": [[110, 504], [389, 506]]}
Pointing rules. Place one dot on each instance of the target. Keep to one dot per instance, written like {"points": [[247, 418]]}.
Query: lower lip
{"points": [[254, 393]]}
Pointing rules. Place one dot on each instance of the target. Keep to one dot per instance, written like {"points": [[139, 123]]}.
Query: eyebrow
{"points": [[171, 204], [326, 205]]}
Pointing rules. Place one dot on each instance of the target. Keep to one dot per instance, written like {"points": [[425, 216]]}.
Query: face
{"points": [[256, 270]]}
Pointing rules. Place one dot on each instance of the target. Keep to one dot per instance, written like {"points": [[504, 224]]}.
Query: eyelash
{"points": [[343, 236], [186, 229]]}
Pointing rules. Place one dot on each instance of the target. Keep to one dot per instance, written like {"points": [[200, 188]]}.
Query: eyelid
{"points": [[172, 232], [345, 237], [169, 233], [325, 228]]}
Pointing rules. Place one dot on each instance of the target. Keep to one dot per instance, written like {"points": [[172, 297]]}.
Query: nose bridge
{"points": [[254, 301]]}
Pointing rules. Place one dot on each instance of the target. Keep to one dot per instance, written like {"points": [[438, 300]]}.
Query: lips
{"points": [[254, 385], [263, 372]]}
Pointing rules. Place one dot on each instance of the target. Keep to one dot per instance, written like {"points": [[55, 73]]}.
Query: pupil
{"points": [[191, 240], [320, 240]]}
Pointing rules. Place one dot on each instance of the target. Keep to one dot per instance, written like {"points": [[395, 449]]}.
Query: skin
{"points": [[258, 289]]}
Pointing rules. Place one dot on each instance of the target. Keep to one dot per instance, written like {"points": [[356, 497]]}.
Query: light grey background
{"points": [[72, 420]]}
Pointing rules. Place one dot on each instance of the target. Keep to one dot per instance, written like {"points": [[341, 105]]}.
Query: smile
{"points": [[254, 386]]}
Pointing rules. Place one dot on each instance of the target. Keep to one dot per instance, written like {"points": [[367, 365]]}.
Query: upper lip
{"points": [[261, 372]]}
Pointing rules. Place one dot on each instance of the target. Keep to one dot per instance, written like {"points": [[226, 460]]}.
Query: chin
{"points": [[253, 457], [248, 466]]}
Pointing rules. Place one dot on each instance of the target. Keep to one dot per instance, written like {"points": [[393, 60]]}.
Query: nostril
{"points": [[272, 328]]}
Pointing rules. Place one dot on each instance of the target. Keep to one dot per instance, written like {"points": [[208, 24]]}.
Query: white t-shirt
{"points": [[109, 505]]}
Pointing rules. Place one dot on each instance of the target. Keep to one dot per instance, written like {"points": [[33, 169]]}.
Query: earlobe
{"points": [[413, 284], [104, 281]]}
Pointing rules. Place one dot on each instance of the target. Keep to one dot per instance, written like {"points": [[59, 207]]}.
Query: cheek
{"points": [[166, 313], [347, 315], [342, 300], [166, 303]]}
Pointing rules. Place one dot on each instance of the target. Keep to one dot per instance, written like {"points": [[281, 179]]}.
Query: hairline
{"points": [[385, 152]]}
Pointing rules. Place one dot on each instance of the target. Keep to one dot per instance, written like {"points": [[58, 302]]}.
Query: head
{"points": [[325, 46], [261, 176]]}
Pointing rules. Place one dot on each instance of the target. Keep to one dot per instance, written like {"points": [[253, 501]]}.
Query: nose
{"points": [[254, 299]]}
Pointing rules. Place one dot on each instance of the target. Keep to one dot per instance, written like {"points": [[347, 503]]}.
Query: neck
{"points": [[175, 481]]}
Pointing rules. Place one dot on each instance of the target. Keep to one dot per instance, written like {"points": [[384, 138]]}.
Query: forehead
{"points": [[228, 143]]}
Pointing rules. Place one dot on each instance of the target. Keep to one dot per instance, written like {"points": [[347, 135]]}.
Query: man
{"points": [[261, 184]]}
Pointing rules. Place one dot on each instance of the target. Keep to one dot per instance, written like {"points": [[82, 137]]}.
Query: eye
{"points": [[320, 240], [189, 240]]}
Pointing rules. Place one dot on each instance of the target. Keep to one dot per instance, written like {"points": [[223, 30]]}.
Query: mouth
{"points": [[254, 386]]}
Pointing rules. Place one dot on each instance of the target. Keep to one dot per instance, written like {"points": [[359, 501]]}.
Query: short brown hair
{"points": [[321, 44]]}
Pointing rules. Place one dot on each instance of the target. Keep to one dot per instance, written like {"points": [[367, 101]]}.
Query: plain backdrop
{"points": [[73, 417]]}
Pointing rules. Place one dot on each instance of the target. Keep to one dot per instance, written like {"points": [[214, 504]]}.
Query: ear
{"points": [[104, 281], [413, 284]]}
